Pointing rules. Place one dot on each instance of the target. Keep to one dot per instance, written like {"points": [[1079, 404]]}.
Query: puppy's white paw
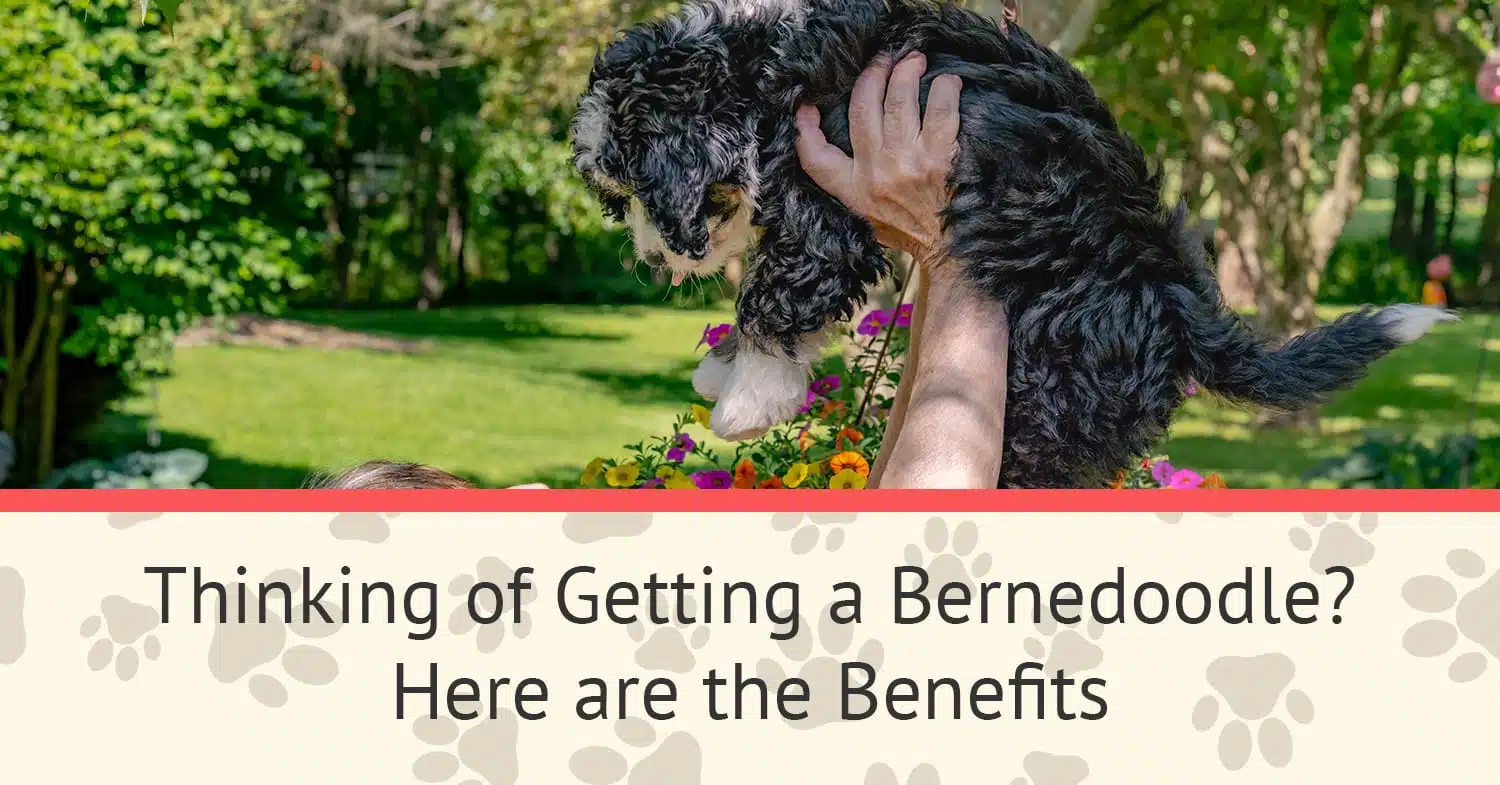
{"points": [[711, 377], [762, 391]]}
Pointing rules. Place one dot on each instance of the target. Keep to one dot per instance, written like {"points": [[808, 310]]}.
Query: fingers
{"points": [[824, 163], [866, 107], [939, 131], [902, 121]]}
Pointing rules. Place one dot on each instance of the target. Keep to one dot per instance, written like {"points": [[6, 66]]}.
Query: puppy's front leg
{"points": [[801, 284]]}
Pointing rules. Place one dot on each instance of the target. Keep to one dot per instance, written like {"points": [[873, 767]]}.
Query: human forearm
{"points": [[954, 422]]}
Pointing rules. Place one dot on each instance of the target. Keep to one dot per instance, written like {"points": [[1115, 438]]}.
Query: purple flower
{"points": [[654, 482], [714, 480], [812, 398], [826, 385], [1184, 479], [875, 320], [681, 446], [903, 315], [1192, 387], [713, 334], [1162, 473]]}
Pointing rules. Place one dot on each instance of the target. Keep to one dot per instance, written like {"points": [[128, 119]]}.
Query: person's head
{"points": [[1440, 268], [389, 475]]}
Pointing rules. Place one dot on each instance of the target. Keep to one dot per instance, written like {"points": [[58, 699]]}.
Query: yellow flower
{"points": [[591, 472], [623, 476], [847, 480], [680, 482], [849, 461], [795, 475], [816, 469], [701, 415]]}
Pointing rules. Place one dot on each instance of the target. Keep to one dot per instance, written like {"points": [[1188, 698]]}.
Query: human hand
{"points": [[898, 177]]}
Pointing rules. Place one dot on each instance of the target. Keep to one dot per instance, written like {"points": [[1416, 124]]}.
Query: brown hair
{"points": [[389, 475]]}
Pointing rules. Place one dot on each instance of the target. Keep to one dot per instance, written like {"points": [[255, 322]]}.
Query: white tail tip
{"points": [[1406, 322]]}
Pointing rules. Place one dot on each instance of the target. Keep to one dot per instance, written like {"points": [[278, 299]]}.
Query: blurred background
{"points": [[284, 237]]}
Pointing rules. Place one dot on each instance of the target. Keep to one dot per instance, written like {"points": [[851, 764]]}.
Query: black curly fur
{"points": [[1113, 305]]}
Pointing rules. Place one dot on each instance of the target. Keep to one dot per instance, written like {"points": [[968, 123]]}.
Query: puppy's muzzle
{"points": [[688, 238]]}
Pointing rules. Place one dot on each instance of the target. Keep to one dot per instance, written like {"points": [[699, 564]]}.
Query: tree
{"points": [[1279, 104], [145, 180]]}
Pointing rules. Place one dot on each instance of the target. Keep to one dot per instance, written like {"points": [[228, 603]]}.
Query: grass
{"points": [[510, 395]]}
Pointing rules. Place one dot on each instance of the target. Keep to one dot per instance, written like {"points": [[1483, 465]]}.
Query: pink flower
{"points": [[812, 398], [714, 480], [903, 315], [1162, 472], [1192, 388], [712, 334], [683, 445], [1184, 479], [654, 482], [826, 385], [875, 320]]}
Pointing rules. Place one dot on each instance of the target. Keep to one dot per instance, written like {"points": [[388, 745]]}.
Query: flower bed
{"points": [[829, 445]]}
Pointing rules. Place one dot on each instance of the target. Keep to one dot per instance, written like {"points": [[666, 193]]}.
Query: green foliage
{"points": [[1385, 460], [1368, 271], [172, 469], [167, 173]]}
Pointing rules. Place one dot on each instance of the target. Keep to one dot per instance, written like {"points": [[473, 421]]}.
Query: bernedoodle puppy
{"points": [[687, 135]]}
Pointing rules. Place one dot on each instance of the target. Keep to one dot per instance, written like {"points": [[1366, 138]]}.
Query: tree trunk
{"points": [[1489, 229], [341, 223], [1427, 230], [458, 217], [1403, 238], [1453, 201], [1191, 188], [47, 426], [430, 280]]}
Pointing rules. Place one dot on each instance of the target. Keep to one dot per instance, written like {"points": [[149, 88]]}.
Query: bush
{"points": [[173, 469], [1386, 460], [1368, 271]]}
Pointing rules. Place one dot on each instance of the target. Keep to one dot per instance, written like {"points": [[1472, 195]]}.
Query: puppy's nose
{"points": [[690, 239]]}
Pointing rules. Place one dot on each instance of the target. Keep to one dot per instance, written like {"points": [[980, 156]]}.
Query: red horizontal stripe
{"points": [[872, 501]]}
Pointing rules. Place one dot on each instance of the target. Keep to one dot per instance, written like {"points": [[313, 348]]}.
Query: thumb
{"points": [[824, 163]]}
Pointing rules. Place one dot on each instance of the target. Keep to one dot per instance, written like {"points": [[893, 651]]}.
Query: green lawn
{"points": [[510, 395]]}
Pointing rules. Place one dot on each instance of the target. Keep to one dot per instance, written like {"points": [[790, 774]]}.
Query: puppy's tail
{"points": [[1230, 359]]}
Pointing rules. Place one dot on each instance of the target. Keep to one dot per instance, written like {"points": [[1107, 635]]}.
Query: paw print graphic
{"points": [[125, 625], [495, 575], [1253, 688], [485, 754], [669, 647], [1473, 617], [586, 527], [125, 520], [1068, 648], [1176, 517], [12, 615], [240, 650], [810, 529], [881, 774], [676, 760], [1342, 541], [819, 650], [1044, 768], [371, 527], [945, 553]]}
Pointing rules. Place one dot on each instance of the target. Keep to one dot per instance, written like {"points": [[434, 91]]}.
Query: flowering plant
{"points": [[831, 442]]}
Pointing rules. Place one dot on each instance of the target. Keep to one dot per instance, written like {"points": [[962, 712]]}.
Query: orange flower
{"points": [[744, 474], [771, 484], [849, 461], [1213, 481], [847, 433], [830, 408], [1119, 481]]}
